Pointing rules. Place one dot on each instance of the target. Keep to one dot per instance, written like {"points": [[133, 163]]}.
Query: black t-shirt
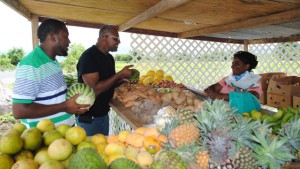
{"points": [[93, 60]]}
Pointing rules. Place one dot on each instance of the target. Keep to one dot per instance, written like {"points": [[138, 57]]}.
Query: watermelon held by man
{"points": [[135, 76], [87, 94]]}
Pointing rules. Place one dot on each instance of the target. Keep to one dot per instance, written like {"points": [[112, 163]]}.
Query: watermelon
{"points": [[135, 76], [87, 158], [123, 163], [87, 95]]}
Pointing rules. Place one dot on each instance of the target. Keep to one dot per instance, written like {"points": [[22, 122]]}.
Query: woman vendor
{"points": [[241, 77]]}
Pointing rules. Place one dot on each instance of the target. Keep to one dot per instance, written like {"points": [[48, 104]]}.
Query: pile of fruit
{"points": [[152, 77], [276, 120], [213, 137], [47, 147], [168, 84], [217, 137]]}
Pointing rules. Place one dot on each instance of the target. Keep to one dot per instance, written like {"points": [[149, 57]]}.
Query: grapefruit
{"points": [[62, 128], [50, 136], [75, 135], [42, 156], [32, 139], [85, 144], [11, 143], [20, 127], [25, 164], [24, 154], [52, 164], [60, 149], [45, 125], [6, 161]]}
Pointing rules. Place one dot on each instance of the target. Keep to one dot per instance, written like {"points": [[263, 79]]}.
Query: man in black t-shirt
{"points": [[96, 68]]}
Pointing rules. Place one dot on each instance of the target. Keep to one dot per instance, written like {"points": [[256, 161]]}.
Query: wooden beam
{"points": [[18, 7], [155, 10], [275, 40], [277, 18]]}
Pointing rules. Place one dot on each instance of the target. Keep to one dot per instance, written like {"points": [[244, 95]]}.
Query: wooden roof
{"points": [[254, 21]]}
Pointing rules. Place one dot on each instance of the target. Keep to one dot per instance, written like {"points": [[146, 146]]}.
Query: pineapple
{"points": [[219, 145], [291, 131], [241, 136], [270, 154], [244, 159], [188, 152], [184, 134], [185, 116], [226, 134], [202, 159], [168, 160]]}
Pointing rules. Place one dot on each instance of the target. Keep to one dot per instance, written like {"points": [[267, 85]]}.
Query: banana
{"points": [[287, 117]]}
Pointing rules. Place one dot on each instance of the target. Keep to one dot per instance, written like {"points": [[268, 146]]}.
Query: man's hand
{"points": [[126, 72], [74, 108]]}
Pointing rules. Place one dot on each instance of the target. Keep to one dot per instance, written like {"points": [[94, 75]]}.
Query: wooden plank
{"points": [[277, 18], [18, 7], [128, 116], [275, 40], [156, 9], [293, 165]]}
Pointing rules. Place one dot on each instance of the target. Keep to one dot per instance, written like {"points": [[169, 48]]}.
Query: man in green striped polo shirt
{"points": [[40, 89]]}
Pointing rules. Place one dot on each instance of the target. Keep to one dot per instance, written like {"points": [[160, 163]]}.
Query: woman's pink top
{"points": [[226, 88]]}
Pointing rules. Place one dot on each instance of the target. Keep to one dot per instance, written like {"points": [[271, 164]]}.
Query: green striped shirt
{"points": [[39, 79]]}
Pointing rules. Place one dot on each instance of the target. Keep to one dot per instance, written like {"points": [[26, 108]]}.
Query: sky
{"points": [[15, 31]]}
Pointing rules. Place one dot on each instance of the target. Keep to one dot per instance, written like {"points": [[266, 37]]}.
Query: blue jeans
{"points": [[99, 125]]}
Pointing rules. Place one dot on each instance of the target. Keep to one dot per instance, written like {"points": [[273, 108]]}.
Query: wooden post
{"points": [[34, 28], [246, 43]]}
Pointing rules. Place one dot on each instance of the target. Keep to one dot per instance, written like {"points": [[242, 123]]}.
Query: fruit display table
{"points": [[122, 118]]}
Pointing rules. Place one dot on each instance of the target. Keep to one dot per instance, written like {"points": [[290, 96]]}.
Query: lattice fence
{"points": [[198, 64]]}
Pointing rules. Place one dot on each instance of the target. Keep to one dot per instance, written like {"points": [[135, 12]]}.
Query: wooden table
{"points": [[128, 116]]}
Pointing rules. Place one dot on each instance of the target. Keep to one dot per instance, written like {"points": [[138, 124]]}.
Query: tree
{"points": [[15, 55], [5, 63], [288, 51], [69, 65]]}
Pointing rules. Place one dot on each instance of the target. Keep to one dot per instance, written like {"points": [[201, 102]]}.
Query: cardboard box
{"points": [[265, 78], [296, 101], [263, 98], [278, 101], [286, 86]]}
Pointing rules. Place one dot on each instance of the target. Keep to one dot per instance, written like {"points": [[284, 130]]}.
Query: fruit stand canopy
{"points": [[237, 21]]}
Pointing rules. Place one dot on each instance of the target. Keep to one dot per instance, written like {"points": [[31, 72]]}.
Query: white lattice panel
{"points": [[199, 64], [277, 57], [116, 123]]}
